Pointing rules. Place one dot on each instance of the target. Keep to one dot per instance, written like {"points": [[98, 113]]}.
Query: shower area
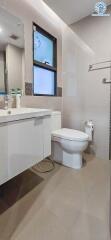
{"points": [[99, 66], [87, 80]]}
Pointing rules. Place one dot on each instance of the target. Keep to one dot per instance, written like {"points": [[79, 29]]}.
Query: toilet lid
{"points": [[70, 134]]}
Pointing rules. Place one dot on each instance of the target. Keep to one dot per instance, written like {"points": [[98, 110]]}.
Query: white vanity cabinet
{"points": [[24, 143], [3, 153]]}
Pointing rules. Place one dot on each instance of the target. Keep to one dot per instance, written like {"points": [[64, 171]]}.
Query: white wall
{"points": [[84, 95]]}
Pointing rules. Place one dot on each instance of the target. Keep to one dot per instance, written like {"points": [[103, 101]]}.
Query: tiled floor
{"points": [[62, 205]]}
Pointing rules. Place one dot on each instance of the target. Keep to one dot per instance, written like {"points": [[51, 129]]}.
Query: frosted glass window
{"points": [[44, 83], [43, 49], [44, 62]]}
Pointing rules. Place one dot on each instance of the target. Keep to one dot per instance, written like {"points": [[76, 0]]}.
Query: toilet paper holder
{"points": [[89, 129]]}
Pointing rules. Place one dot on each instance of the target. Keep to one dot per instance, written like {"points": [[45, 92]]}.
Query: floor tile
{"points": [[64, 204]]}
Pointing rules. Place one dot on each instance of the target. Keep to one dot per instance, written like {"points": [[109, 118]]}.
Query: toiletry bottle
{"points": [[18, 98]]}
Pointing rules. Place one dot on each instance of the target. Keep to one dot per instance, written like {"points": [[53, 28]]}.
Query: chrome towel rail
{"points": [[99, 68]]}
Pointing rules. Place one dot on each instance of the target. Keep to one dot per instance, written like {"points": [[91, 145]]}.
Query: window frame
{"points": [[44, 65]]}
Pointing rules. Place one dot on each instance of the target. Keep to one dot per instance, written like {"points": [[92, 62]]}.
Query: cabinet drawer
{"points": [[25, 147]]}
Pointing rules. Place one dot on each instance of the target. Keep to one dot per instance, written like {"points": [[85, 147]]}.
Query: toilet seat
{"points": [[69, 134]]}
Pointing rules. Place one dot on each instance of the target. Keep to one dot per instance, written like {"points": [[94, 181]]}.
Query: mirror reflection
{"points": [[11, 52]]}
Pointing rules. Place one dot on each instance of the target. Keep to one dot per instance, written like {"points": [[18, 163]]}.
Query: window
{"points": [[44, 62]]}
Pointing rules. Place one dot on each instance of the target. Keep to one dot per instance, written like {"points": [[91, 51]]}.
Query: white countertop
{"points": [[16, 114]]}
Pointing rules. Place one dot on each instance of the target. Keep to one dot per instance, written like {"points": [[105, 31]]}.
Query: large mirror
{"points": [[11, 52]]}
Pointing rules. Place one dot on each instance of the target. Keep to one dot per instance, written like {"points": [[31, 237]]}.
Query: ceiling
{"points": [[73, 10], [10, 25]]}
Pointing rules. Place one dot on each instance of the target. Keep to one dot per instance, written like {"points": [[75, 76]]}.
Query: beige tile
{"points": [[89, 228], [84, 191], [65, 211], [66, 204], [43, 226]]}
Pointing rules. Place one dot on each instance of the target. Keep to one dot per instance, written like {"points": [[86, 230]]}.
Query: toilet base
{"points": [[66, 159]]}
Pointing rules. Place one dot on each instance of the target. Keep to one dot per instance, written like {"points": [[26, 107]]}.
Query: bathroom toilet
{"points": [[67, 144]]}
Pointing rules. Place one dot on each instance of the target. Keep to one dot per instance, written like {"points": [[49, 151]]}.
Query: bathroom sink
{"points": [[13, 114]]}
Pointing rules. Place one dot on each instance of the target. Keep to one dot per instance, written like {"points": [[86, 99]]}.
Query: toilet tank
{"points": [[55, 120]]}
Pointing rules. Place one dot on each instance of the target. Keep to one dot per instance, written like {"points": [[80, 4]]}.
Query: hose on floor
{"points": [[45, 166]]}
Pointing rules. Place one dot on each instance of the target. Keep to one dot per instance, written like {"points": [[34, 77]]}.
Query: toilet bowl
{"points": [[67, 144]]}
